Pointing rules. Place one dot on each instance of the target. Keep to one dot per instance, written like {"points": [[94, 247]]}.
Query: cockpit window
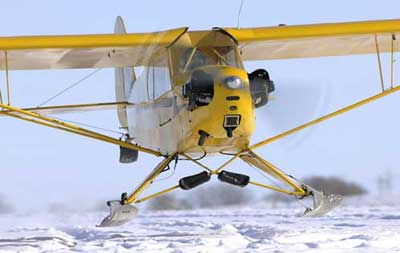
{"points": [[201, 48], [192, 58], [196, 57], [226, 55]]}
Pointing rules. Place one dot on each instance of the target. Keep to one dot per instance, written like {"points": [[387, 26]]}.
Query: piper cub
{"points": [[193, 98]]}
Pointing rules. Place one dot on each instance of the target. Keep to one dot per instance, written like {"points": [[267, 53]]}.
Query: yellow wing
{"points": [[83, 51], [264, 43], [302, 41]]}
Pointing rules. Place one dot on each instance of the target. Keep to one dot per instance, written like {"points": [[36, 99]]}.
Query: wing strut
{"points": [[326, 117], [378, 54], [7, 79], [68, 127], [322, 203], [122, 210]]}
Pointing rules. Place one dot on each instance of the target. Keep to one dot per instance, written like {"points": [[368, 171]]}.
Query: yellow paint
{"points": [[197, 162], [59, 109], [315, 40], [210, 118], [155, 195], [263, 43], [50, 122], [270, 169], [242, 34], [90, 40], [314, 30], [157, 171], [226, 164], [183, 129], [277, 189]]}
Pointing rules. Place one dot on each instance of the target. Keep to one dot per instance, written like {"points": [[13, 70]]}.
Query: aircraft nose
{"points": [[233, 82], [220, 101]]}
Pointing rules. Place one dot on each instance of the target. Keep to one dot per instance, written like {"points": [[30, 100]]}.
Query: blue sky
{"points": [[40, 166]]}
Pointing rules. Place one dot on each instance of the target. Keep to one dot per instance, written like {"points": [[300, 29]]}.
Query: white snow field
{"points": [[261, 229]]}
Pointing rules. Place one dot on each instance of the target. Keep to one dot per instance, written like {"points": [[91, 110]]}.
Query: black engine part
{"points": [[203, 135], [234, 178], [190, 182], [260, 86], [200, 89], [127, 155]]}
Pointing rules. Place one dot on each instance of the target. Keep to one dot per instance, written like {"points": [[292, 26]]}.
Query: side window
{"points": [[151, 81], [128, 79], [139, 89], [161, 80]]}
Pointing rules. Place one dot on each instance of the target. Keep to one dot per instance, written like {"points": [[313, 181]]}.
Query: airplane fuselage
{"points": [[192, 97], [168, 124]]}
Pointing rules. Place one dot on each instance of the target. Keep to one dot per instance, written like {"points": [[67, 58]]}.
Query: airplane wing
{"points": [[83, 51], [317, 40], [264, 43]]}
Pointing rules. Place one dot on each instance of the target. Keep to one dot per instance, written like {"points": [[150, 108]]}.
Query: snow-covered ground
{"points": [[261, 229]]}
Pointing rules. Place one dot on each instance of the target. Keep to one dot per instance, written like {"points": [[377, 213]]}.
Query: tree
{"points": [[218, 195], [5, 206], [209, 196], [168, 202], [328, 185], [335, 185]]}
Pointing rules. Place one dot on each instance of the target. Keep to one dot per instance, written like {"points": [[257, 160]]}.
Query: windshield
{"points": [[192, 58], [201, 48]]}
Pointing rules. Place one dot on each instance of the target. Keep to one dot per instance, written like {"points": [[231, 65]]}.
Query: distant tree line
{"points": [[327, 185], [215, 196], [335, 185], [5, 206], [210, 196], [219, 195]]}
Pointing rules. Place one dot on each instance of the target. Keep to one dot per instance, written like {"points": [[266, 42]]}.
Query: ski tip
{"points": [[323, 204], [119, 214]]}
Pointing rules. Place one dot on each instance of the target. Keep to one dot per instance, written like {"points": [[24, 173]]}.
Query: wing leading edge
{"points": [[135, 49], [83, 51], [317, 40]]}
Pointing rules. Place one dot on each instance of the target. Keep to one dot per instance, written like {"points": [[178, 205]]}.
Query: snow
{"points": [[256, 229]]}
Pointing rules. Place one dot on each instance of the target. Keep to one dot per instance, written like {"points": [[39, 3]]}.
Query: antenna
{"points": [[240, 12]]}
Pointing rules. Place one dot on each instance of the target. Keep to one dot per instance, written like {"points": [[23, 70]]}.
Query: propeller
{"points": [[293, 103]]}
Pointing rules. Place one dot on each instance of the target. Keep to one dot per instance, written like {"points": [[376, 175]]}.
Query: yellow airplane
{"points": [[194, 98]]}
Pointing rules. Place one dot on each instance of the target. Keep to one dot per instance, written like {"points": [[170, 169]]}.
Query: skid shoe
{"points": [[322, 203], [119, 214], [121, 210]]}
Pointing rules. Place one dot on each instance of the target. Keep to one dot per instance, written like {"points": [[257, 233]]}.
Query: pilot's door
{"points": [[160, 92]]}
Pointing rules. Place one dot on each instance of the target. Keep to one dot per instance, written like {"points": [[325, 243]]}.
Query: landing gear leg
{"points": [[322, 203], [121, 211]]}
